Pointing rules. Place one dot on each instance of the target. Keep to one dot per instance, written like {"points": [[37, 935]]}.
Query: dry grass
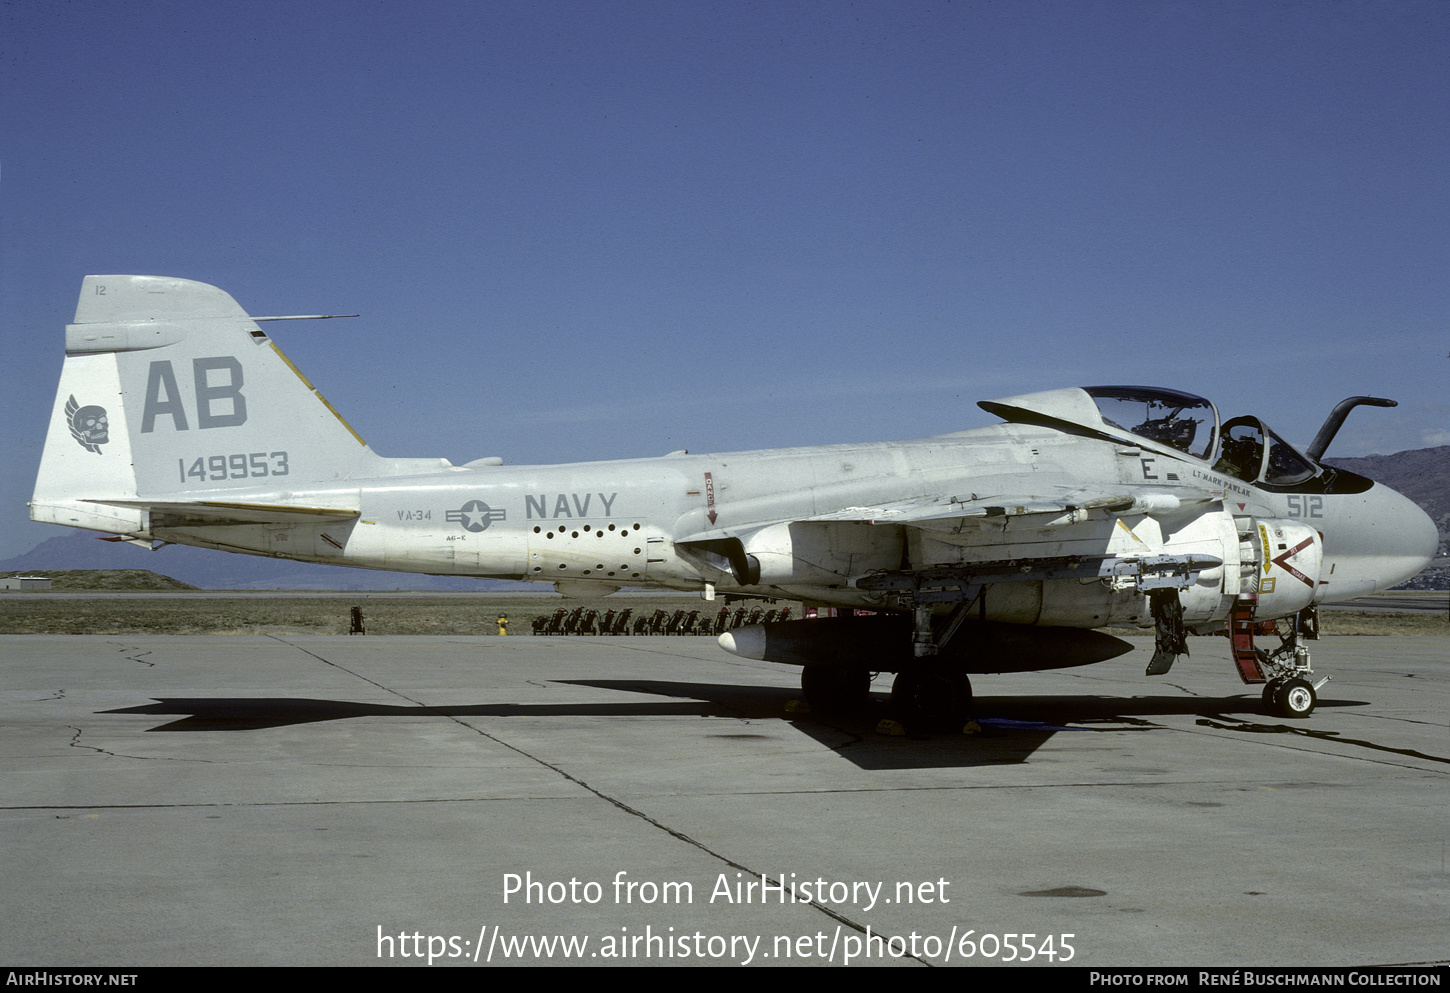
{"points": [[242, 615], [260, 613], [1332, 622]]}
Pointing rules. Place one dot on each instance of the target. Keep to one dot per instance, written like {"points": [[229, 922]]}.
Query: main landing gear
{"points": [[927, 697], [931, 697], [1290, 689], [930, 692]]}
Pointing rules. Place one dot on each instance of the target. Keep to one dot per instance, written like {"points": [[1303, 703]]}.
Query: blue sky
{"points": [[617, 229]]}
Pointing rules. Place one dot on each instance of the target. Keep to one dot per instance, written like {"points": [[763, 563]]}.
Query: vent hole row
{"points": [[625, 530]]}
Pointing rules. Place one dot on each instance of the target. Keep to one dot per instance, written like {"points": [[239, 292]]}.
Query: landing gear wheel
{"points": [[1296, 698], [931, 699], [829, 689], [1271, 696]]}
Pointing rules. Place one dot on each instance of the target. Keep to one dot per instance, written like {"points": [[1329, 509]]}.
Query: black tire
{"points": [[1296, 698], [931, 699]]}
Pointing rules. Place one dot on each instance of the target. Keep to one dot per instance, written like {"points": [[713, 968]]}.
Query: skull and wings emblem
{"points": [[88, 425]]}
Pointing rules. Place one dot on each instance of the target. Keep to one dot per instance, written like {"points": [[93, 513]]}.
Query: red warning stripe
{"points": [[1283, 561]]}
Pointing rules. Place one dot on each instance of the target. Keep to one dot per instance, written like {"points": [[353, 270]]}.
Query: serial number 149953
{"points": [[213, 468]]}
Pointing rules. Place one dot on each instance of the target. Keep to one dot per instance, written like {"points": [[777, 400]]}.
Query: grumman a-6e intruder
{"points": [[998, 549]]}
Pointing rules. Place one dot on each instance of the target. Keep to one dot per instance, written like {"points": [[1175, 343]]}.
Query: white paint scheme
{"points": [[214, 439]]}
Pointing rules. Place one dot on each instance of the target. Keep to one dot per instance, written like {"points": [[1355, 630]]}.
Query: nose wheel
{"points": [[1294, 697]]}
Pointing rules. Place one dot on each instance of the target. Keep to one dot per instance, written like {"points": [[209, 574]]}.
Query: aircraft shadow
{"points": [[258, 713], [1011, 728]]}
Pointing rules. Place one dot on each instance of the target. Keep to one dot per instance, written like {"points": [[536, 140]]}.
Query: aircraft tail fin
{"points": [[170, 392]]}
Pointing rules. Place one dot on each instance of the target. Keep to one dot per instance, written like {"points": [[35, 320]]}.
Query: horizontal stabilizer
{"points": [[172, 514]]}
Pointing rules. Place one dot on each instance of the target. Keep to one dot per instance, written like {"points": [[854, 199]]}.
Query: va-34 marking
{"points": [[990, 550]]}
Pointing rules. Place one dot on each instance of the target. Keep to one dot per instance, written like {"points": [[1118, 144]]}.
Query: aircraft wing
{"points": [[210, 513], [750, 551], [950, 514]]}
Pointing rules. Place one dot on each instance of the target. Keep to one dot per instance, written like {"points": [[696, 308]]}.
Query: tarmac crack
{"points": [[75, 742], [1252, 727], [1402, 720], [138, 657], [570, 777]]}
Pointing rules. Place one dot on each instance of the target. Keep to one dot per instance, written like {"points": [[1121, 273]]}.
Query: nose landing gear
{"points": [[1290, 690]]}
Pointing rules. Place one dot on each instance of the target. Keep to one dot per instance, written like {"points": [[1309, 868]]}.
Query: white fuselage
{"points": [[605, 525]]}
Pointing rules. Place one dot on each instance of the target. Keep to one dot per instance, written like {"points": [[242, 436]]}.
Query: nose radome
{"points": [[1410, 538]]}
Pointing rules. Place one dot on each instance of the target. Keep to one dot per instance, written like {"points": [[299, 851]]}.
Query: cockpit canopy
{"points": [[1188, 423], [1164, 417], [1178, 420], [1254, 453]]}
